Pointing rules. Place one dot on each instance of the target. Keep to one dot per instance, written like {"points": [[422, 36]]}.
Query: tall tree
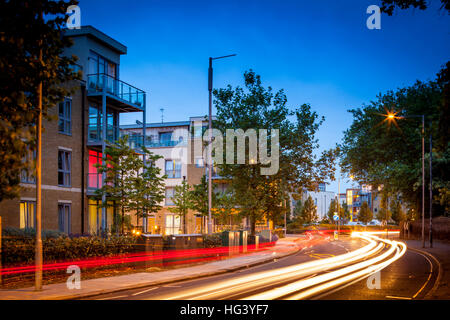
{"points": [[199, 198], [398, 213], [23, 34], [148, 188], [365, 214], [122, 166], [308, 213], [257, 108], [386, 153], [182, 202]]}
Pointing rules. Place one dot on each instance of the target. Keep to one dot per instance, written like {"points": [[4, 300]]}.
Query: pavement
{"points": [[441, 253], [284, 247]]}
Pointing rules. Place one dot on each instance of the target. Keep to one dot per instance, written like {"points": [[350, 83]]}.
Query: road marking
{"points": [[170, 286], [145, 291], [429, 277], [118, 297], [400, 298]]}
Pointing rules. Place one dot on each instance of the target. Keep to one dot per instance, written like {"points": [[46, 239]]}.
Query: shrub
{"points": [[21, 250], [10, 232], [213, 240]]}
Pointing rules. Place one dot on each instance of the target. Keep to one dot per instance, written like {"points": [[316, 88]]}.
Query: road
{"points": [[304, 276]]}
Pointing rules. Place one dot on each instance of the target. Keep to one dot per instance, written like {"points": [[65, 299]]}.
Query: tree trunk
{"points": [[123, 220], [252, 225]]}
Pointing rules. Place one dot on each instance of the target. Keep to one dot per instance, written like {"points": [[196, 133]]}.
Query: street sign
{"points": [[336, 218]]}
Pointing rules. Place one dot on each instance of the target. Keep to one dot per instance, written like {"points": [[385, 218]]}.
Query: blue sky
{"points": [[319, 52]]}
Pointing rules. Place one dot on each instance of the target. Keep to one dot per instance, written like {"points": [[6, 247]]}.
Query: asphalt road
{"points": [[410, 277]]}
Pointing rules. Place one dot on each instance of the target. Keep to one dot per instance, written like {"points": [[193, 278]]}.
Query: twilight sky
{"points": [[320, 52]]}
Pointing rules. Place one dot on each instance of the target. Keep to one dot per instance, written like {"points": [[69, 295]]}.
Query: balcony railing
{"points": [[94, 181], [135, 141], [99, 83], [95, 133]]}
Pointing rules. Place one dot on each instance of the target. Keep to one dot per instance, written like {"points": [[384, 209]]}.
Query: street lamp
{"points": [[209, 164], [391, 117]]}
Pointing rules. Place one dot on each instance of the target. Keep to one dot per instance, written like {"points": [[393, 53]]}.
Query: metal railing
{"points": [[95, 133], [105, 83], [135, 141]]}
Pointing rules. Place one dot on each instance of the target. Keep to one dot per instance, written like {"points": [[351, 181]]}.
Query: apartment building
{"points": [[87, 121], [180, 144], [322, 199]]}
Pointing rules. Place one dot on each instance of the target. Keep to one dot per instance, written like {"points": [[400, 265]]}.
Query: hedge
{"points": [[20, 250]]}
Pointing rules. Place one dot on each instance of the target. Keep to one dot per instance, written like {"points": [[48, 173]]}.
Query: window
{"points": [[65, 117], [27, 214], [199, 163], [169, 196], [64, 215], [94, 178], [95, 216], [173, 224], [64, 168], [173, 169], [165, 137], [27, 176]]}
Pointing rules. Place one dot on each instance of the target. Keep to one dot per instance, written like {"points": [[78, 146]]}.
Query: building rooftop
{"points": [[156, 125], [96, 34]]}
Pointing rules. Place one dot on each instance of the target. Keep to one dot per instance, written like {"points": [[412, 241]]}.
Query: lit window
{"points": [[169, 196], [173, 169], [27, 214]]}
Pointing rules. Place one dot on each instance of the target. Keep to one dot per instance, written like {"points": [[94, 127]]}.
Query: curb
{"points": [[179, 279]]}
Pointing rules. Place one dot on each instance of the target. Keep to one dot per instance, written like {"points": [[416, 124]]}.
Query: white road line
{"points": [[429, 277], [399, 298], [145, 291], [118, 297]]}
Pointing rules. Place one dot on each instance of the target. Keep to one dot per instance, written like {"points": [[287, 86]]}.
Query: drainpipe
{"points": [[83, 151]]}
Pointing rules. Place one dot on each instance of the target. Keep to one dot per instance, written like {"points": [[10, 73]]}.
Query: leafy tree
{"points": [[344, 213], [148, 188], [182, 201], [384, 214], [199, 197], [386, 153], [23, 36], [256, 107], [388, 6], [398, 214], [308, 213], [365, 214], [298, 208], [226, 208], [122, 166]]}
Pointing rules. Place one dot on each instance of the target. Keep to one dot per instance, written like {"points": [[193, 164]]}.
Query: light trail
{"points": [[352, 265]]}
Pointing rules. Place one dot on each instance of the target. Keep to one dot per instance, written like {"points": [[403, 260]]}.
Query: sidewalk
{"points": [[441, 251], [284, 247]]}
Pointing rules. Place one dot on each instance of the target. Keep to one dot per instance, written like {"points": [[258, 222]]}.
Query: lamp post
{"points": [[209, 162], [393, 116]]}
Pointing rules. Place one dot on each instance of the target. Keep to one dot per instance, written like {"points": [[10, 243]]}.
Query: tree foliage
{"points": [[257, 107], [308, 212], [23, 34], [388, 6], [182, 202], [386, 153], [365, 214]]}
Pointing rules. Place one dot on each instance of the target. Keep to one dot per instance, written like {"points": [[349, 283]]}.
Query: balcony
{"points": [[95, 134], [119, 94], [135, 142], [94, 182]]}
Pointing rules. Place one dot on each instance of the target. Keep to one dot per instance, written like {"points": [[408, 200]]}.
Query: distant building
{"points": [[322, 199]]}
